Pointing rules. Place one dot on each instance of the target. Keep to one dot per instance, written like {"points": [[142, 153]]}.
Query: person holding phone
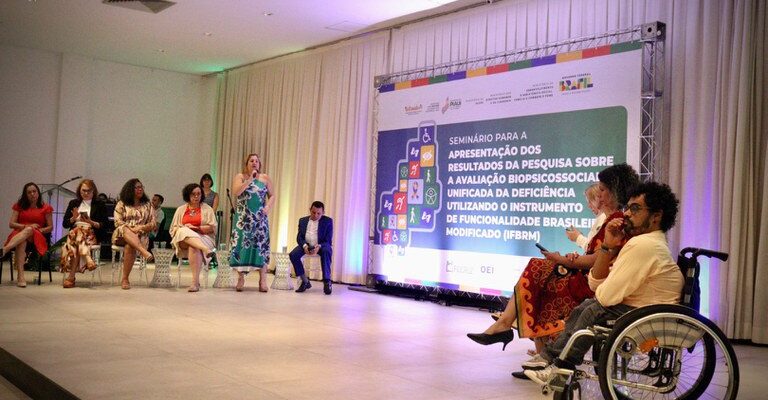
{"points": [[250, 233], [551, 287], [86, 219], [192, 230]]}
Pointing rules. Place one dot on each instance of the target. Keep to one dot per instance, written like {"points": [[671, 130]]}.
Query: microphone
{"points": [[77, 177]]}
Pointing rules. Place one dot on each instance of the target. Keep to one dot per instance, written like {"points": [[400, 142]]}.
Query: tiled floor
{"points": [[107, 343]]}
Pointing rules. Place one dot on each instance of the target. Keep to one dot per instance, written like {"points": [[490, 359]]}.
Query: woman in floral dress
{"points": [[250, 233]]}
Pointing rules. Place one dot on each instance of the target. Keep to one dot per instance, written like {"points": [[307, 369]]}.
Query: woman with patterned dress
{"points": [[30, 222], [134, 220], [550, 288], [86, 219], [250, 233]]}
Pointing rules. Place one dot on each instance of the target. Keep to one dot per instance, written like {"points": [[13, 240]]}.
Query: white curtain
{"points": [[714, 142], [309, 117]]}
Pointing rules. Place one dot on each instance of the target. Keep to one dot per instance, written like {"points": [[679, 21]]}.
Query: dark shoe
{"points": [[520, 375], [303, 287], [327, 289], [495, 316], [486, 339]]}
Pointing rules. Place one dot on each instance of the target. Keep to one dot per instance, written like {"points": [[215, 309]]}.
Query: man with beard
{"points": [[644, 273]]}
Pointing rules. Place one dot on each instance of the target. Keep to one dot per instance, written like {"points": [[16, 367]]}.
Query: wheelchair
{"points": [[656, 352]]}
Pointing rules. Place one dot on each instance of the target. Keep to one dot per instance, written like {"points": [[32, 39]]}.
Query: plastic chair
{"points": [[139, 259]]}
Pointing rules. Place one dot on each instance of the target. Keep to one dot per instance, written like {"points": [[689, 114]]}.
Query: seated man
{"points": [[315, 238], [157, 202], [644, 273]]}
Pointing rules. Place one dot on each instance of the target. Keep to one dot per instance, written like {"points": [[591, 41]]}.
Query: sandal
{"points": [[193, 288], [68, 283], [21, 283], [125, 285]]}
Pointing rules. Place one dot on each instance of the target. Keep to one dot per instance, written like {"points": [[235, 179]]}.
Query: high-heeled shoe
{"points": [[499, 337]]}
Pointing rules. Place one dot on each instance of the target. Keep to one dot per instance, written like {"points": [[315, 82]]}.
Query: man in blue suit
{"points": [[315, 238]]}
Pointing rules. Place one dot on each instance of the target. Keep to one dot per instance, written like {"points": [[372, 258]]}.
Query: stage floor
{"points": [[107, 343]]}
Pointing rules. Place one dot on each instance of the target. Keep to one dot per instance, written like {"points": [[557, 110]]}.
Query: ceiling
{"points": [[200, 36]]}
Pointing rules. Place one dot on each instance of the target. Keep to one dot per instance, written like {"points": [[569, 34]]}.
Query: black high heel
{"points": [[486, 339]]}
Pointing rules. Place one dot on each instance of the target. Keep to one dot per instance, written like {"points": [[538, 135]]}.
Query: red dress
{"points": [[544, 299], [33, 216]]}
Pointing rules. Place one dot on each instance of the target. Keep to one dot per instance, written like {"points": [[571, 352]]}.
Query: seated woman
{"points": [[592, 194], [543, 297], [30, 222], [192, 231], [86, 219], [134, 220]]}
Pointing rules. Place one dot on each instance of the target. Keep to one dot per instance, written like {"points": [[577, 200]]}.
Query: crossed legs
{"points": [[132, 245], [19, 243]]}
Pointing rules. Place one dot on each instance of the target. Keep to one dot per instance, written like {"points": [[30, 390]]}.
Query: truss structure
{"points": [[650, 35]]}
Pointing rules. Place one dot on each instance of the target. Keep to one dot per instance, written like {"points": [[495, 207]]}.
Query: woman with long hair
{"points": [[134, 220], [551, 287], [250, 234], [30, 222], [86, 219], [192, 230]]}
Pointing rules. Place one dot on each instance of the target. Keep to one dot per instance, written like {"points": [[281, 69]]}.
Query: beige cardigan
{"points": [[208, 217]]}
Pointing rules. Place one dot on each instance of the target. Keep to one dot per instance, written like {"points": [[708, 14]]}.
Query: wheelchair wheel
{"points": [[667, 352]]}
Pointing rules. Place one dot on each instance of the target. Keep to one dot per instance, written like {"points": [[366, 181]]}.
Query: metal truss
{"points": [[651, 35]]}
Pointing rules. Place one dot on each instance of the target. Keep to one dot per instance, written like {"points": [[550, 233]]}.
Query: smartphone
{"points": [[541, 248]]}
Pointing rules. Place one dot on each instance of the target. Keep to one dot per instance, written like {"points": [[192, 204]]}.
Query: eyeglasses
{"points": [[634, 208]]}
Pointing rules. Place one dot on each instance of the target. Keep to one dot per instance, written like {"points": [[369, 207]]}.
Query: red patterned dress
{"points": [[33, 216], [545, 298]]}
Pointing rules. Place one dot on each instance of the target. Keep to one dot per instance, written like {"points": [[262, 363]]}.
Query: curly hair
{"points": [[23, 201], [126, 193], [620, 179], [659, 197], [186, 193]]}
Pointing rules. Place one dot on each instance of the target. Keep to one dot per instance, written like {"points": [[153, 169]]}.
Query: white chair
{"points": [[96, 255], [203, 270], [223, 271], [119, 269]]}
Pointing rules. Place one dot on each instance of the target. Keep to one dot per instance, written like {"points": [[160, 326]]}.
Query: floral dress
{"points": [[544, 297], [250, 235]]}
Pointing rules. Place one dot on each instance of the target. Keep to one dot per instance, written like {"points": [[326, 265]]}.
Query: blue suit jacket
{"points": [[324, 232]]}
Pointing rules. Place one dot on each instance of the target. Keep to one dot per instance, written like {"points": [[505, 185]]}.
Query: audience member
{"points": [[134, 220], [86, 219], [192, 230], [30, 222]]}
